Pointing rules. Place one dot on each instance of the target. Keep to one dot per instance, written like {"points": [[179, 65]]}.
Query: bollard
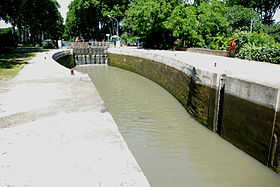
{"points": [[72, 71]]}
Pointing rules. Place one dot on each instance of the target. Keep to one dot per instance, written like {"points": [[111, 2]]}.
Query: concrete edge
{"points": [[56, 54], [207, 77]]}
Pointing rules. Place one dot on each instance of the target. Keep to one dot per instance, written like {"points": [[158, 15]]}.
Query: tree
{"points": [[146, 18], [34, 19], [266, 8], [4, 7], [115, 8], [90, 18], [273, 30], [200, 26], [241, 18], [83, 19], [213, 21], [184, 24], [199, 2]]}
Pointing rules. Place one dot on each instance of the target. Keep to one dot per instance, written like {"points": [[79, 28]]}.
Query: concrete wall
{"points": [[211, 52], [61, 54], [245, 113], [65, 58], [248, 117]]}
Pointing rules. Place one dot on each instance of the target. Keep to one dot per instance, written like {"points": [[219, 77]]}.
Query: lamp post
{"points": [[251, 25], [117, 23], [253, 20]]}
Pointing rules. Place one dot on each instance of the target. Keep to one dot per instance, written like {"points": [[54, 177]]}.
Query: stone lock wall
{"points": [[249, 117], [195, 97], [276, 148], [242, 112]]}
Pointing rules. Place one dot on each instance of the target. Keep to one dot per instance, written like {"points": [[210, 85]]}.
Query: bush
{"points": [[48, 45], [220, 43], [253, 38], [260, 53], [273, 31]]}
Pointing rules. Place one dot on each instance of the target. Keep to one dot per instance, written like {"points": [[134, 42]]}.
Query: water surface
{"points": [[173, 149]]}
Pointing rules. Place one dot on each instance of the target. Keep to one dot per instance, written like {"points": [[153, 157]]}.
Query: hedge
{"points": [[260, 53]]}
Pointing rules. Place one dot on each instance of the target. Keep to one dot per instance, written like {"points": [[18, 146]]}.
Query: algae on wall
{"points": [[67, 61], [276, 160], [248, 126], [195, 97], [245, 124]]}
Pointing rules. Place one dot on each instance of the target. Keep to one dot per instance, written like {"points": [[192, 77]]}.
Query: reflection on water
{"points": [[172, 149]]}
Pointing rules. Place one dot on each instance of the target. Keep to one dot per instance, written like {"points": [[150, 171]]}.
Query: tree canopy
{"points": [[197, 24], [35, 20], [146, 18], [83, 18], [184, 24], [266, 8], [90, 19], [160, 22]]}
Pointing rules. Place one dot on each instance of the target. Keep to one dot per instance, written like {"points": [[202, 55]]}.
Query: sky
{"points": [[64, 8]]}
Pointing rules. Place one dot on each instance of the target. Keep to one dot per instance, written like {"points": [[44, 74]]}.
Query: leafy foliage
{"points": [[212, 21], [265, 8], [83, 18], [184, 24], [257, 46], [89, 19], [260, 53], [240, 17], [48, 45], [273, 30], [220, 43], [146, 19], [34, 19], [197, 26], [254, 38]]}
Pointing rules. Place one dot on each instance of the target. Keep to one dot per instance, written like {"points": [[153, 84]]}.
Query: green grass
{"points": [[12, 62]]}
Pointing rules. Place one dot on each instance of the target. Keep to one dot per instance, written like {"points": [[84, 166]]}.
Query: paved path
{"points": [[55, 131], [263, 73]]}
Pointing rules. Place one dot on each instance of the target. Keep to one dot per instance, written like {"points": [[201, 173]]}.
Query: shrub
{"points": [[220, 43], [261, 53], [273, 31], [253, 38], [48, 45]]}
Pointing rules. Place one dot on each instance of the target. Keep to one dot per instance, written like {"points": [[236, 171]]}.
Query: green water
{"points": [[172, 149]]}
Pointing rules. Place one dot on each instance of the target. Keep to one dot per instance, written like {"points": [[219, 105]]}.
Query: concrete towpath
{"points": [[259, 72], [55, 131]]}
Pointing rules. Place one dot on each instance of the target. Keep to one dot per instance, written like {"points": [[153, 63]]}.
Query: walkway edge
{"points": [[59, 132]]}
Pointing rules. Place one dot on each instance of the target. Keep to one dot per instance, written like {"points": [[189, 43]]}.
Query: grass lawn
{"points": [[11, 63]]}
